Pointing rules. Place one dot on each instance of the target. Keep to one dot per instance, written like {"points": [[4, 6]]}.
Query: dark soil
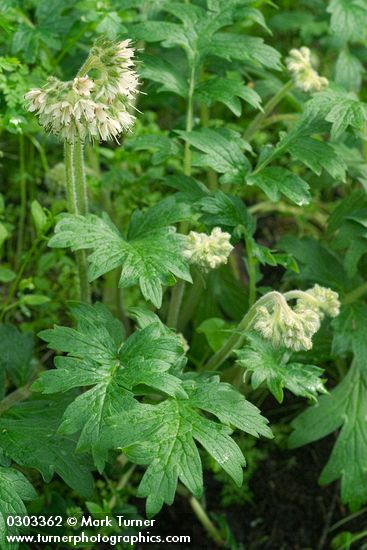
{"points": [[290, 510]]}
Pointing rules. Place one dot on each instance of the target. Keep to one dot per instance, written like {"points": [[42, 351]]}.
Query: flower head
{"points": [[323, 301], [284, 327], [294, 328], [91, 108], [305, 76], [208, 251]]}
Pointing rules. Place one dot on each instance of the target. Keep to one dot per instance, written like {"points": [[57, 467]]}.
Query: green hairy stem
{"points": [[77, 201]]}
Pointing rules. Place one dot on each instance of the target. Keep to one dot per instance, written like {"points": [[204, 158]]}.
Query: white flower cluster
{"points": [[294, 328], [323, 301], [90, 107], [208, 251], [305, 76]]}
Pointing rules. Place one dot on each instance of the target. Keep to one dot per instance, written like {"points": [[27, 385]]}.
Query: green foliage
{"points": [[163, 436], [98, 357], [279, 181], [14, 489], [29, 436], [344, 408], [227, 211], [222, 141], [229, 92], [16, 351], [151, 255], [266, 364], [222, 151]]}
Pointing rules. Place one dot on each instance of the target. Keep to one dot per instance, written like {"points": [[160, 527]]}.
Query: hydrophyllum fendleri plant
{"points": [[133, 392], [109, 415]]}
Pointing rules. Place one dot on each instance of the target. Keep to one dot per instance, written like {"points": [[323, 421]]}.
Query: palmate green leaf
{"points": [[165, 73], [227, 211], [342, 109], [163, 437], [193, 34], [98, 357], [318, 155], [29, 435], [276, 181], [150, 256], [267, 364], [348, 19], [244, 48], [229, 92], [14, 489], [346, 408], [198, 34], [222, 150], [303, 146]]}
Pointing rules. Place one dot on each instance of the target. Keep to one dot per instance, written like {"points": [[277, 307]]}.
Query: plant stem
{"points": [[206, 522], [71, 197], [205, 119], [18, 395], [178, 290], [75, 193], [175, 304], [121, 485], [202, 516], [191, 301], [355, 294], [238, 335], [251, 268], [189, 121], [271, 104], [23, 199], [80, 180]]}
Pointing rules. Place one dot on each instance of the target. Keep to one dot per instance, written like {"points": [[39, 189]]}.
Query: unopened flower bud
{"points": [[324, 301], [294, 328], [305, 76], [208, 251]]}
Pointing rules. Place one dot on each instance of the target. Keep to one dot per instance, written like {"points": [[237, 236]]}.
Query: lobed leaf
{"points": [[267, 365], [98, 357], [150, 256]]}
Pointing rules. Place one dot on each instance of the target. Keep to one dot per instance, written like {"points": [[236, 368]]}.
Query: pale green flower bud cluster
{"points": [[305, 76], [323, 301], [90, 107], [294, 328], [208, 251]]}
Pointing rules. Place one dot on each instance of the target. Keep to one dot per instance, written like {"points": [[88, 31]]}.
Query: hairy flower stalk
{"points": [[208, 251], [95, 105], [277, 321], [305, 76]]}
